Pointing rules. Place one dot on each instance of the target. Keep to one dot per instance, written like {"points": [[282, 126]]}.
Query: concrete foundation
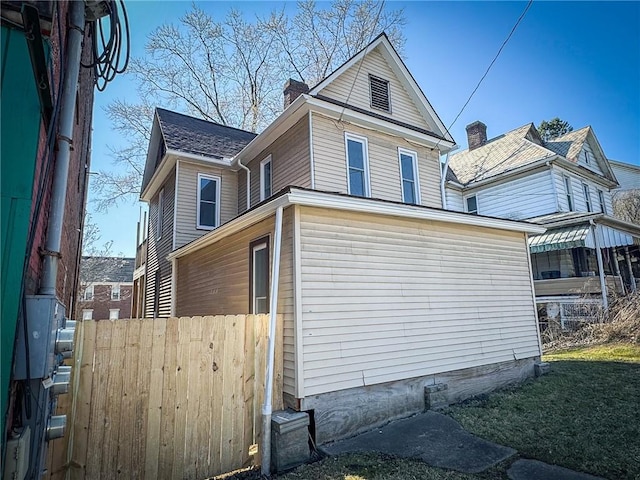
{"points": [[345, 413]]}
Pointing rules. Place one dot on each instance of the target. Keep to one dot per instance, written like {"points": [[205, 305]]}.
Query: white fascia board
{"points": [[367, 121], [275, 130], [364, 205], [585, 172], [223, 162]]}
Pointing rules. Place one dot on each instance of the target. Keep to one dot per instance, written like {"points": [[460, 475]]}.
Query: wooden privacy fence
{"points": [[176, 398]]}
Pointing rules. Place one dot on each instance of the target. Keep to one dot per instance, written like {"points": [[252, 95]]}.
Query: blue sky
{"points": [[579, 61]]}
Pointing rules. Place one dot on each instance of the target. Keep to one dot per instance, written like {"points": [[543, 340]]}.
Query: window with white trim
{"points": [[208, 215], [265, 178], [259, 295], [587, 197], [603, 204], [160, 219], [114, 313], [115, 292], [88, 293], [409, 176], [87, 314], [472, 204], [379, 89], [569, 192], [357, 165]]}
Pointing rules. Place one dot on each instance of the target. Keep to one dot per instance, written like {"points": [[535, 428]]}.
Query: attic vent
{"points": [[379, 93]]}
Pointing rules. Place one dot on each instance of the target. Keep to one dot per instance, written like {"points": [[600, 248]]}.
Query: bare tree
{"points": [[232, 70], [626, 206]]}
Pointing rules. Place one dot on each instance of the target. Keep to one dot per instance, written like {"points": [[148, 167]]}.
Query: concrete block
{"points": [[436, 396], [541, 368], [289, 439]]}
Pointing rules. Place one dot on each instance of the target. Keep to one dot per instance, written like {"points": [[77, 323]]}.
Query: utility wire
{"points": [[524, 12]]}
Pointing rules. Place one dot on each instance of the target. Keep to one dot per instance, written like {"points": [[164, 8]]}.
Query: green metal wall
{"points": [[19, 131]]}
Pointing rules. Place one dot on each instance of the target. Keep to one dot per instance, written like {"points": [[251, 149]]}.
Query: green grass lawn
{"points": [[583, 415]]}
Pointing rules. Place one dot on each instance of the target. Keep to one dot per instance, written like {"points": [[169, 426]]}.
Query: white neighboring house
{"points": [[566, 185]]}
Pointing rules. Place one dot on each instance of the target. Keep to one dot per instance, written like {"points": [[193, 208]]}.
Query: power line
{"points": [[524, 12]]}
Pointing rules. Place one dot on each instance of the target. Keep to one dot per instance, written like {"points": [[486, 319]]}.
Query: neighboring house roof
{"points": [[499, 155], [107, 269], [628, 174], [187, 134], [521, 147]]}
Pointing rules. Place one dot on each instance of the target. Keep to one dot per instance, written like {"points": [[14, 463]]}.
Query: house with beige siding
{"points": [[384, 294], [565, 184]]}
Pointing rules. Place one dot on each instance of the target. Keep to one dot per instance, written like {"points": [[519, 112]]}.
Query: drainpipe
{"points": [[603, 283], [267, 408], [443, 181], [65, 139], [246, 169]]}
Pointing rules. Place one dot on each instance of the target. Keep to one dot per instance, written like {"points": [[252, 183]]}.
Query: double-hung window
{"points": [[587, 197], [569, 191], [160, 219], [208, 215], [265, 178], [472, 204], [259, 276], [603, 205], [357, 165], [115, 292], [409, 176], [88, 293]]}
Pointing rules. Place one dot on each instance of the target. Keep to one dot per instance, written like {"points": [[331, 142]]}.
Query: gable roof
{"points": [[499, 155], [521, 147], [187, 134], [402, 73], [107, 269]]}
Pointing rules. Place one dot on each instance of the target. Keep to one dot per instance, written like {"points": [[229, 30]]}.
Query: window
{"points": [[87, 314], [587, 197], [567, 187], [265, 178], [472, 205], [259, 276], [88, 294], [208, 202], [357, 165], [586, 157], [115, 292], [409, 176], [160, 219], [114, 313], [379, 93], [603, 205]]}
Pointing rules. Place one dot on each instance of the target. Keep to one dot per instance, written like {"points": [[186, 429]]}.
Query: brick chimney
{"points": [[292, 90], [476, 134]]}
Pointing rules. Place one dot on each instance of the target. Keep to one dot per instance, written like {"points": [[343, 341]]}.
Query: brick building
{"points": [[106, 285]]}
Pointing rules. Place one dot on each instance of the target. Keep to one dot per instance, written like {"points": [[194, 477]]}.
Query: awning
{"points": [[561, 239]]}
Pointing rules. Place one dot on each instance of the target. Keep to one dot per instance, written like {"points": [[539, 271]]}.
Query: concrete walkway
{"points": [[440, 441]]}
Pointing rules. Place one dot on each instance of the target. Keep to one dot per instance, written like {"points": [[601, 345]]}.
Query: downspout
{"points": [[267, 408], [246, 169], [603, 283], [443, 180], [65, 138]]}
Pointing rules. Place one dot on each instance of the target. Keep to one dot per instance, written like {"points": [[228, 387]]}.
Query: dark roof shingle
{"points": [[201, 137]]}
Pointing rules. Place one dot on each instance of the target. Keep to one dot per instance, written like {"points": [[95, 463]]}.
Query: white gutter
{"points": [[65, 139], [246, 169], [443, 181], [603, 283], [267, 407]]}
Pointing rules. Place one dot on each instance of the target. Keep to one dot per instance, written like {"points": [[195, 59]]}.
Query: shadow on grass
{"points": [[583, 415]]}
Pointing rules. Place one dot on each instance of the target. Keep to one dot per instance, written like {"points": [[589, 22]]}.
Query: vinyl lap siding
{"points": [[215, 281], [579, 200], [525, 197], [158, 249], [187, 212], [330, 165], [290, 164], [454, 200], [386, 299], [402, 106]]}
